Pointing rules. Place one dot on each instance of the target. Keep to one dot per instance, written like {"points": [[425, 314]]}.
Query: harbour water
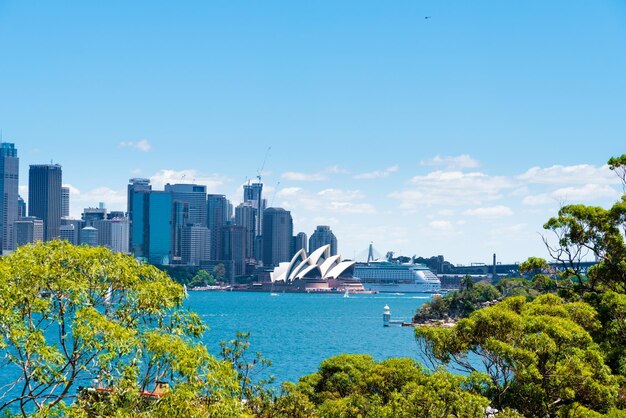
{"points": [[297, 331]]}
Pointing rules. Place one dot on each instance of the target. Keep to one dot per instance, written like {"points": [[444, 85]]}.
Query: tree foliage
{"points": [[539, 355], [81, 316]]}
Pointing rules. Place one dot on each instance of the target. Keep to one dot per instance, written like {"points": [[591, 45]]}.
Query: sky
{"points": [[425, 126]]}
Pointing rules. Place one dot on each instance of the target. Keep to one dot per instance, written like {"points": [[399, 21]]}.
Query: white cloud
{"points": [[296, 176], [376, 174], [214, 182], [113, 199], [451, 188], [569, 175], [490, 212], [459, 161], [571, 194], [353, 208], [141, 145], [341, 195], [443, 226]]}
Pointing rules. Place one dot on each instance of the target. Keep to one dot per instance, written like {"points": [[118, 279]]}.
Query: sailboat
{"points": [[347, 294]]}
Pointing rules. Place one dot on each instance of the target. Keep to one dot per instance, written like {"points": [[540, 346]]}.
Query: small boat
{"points": [[347, 294], [274, 294]]}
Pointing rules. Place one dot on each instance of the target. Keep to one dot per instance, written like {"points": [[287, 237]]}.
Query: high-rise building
{"points": [[299, 243], [234, 247], [245, 216], [323, 236], [193, 194], [217, 215], [195, 245], [152, 226], [91, 215], [27, 230], [253, 193], [277, 233], [119, 235], [9, 184], [21, 207], [180, 220], [44, 197], [135, 185], [65, 202]]}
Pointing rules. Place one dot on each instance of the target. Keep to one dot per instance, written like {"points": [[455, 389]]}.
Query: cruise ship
{"points": [[388, 277]]}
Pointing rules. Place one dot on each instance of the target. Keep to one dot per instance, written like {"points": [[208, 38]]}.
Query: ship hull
{"points": [[401, 287]]}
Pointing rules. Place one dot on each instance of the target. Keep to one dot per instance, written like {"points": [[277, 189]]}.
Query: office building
{"points": [[65, 202], [21, 207], [9, 184], [196, 196], [152, 226], [44, 197], [234, 247], [89, 236], [253, 194], [299, 243], [70, 230], [195, 245], [28, 230], [135, 185], [217, 215], [323, 236], [277, 233], [245, 216]]}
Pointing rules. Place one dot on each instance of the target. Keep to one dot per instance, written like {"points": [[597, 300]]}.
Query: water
{"points": [[296, 331]]}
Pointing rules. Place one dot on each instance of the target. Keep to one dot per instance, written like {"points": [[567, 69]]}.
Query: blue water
{"points": [[297, 331]]}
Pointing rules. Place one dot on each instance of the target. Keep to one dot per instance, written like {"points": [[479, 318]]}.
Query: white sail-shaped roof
{"points": [[319, 264]]}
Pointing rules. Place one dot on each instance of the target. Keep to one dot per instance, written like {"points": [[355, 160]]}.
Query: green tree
{"points": [[219, 271], [73, 316], [539, 355]]}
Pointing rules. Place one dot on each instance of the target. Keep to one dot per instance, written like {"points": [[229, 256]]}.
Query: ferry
{"points": [[389, 277]]}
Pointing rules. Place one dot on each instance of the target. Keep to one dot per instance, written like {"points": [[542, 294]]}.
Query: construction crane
{"points": [[259, 171]]}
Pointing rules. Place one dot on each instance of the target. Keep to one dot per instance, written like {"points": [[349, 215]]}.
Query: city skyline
{"points": [[426, 136]]}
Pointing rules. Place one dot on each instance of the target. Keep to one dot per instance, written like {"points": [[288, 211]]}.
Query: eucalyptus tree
{"points": [[80, 316]]}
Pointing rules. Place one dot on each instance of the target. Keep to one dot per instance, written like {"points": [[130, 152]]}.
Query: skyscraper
{"points": [[217, 214], [299, 243], [65, 202], [277, 233], [44, 197], [253, 194], [135, 185], [27, 230], [9, 170], [21, 207], [152, 226], [193, 194], [245, 215], [323, 236], [234, 247]]}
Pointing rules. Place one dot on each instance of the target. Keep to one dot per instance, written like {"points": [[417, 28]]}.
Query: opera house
{"points": [[318, 272]]}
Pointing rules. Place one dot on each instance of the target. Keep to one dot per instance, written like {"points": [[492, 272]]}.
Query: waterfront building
{"points": [[195, 245], [217, 215], [44, 197], [245, 216], [277, 233], [89, 236], [234, 247], [9, 184], [27, 230], [65, 202], [196, 196], [323, 236], [299, 243]]}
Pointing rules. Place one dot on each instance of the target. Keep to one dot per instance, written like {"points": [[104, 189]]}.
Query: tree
{"points": [[219, 271], [72, 316], [539, 355]]}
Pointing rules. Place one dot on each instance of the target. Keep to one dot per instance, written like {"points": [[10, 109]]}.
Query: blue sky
{"points": [[460, 134]]}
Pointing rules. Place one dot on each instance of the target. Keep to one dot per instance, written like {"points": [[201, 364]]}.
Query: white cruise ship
{"points": [[388, 277]]}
